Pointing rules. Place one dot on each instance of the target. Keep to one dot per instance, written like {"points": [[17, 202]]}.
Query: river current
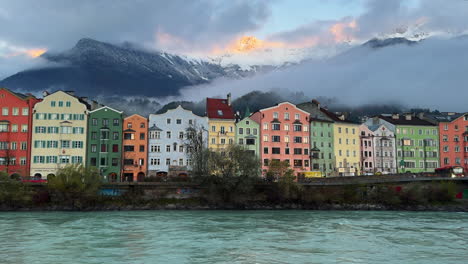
{"points": [[234, 237]]}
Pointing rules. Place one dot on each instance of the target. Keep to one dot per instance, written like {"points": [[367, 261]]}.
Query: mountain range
{"points": [[93, 68]]}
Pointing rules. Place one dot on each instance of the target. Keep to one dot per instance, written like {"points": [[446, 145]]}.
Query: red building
{"points": [[15, 131], [454, 140], [284, 135]]}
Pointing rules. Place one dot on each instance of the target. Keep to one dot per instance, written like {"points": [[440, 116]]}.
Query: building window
{"points": [[275, 151], [93, 148], [297, 128], [142, 148], [129, 125], [115, 148], [129, 148], [168, 121], [241, 131], [297, 151], [168, 134], [275, 127], [168, 148], [275, 138], [297, 139], [297, 163], [250, 141], [181, 135], [142, 136], [178, 121]]}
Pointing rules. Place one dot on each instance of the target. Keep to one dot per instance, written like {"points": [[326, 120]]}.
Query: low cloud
{"points": [[429, 74]]}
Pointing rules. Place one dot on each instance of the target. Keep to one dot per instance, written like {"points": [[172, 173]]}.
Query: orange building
{"points": [[453, 132], [135, 152]]}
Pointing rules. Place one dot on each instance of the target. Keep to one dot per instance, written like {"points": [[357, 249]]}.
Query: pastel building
{"points": [[367, 149], [284, 136], [322, 155], [346, 145], [15, 131], [221, 123], [417, 141], [59, 133], [384, 149], [248, 133], [135, 151], [104, 144], [453, 138], [168, 138]]}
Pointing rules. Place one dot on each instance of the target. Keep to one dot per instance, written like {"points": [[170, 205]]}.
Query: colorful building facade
{"points": [[384, 149], [15, 132], [284, 136], [59, 133], [454, 141], [367, 149], [248, 134], [135, 151], [104, 144], [221, 123], [168, 138], [417, 141], [322, 155]]}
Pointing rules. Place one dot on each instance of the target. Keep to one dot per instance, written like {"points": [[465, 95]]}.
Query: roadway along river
{"points": [[233, 237]]}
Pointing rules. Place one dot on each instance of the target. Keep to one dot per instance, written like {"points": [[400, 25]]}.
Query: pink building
{"points": [[367, 149], [284, 135]]}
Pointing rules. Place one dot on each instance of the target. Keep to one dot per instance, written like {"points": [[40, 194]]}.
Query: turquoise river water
{"points": [[233, 237]]}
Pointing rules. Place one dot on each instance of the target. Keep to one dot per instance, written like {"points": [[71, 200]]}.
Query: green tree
{"points": [[75, 185], [13, 193]]}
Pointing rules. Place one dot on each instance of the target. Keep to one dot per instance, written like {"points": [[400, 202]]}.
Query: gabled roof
{"points": [[110, 108], [136, 115], [19, 95], [415, 121], [335, 117], [219, 109]]}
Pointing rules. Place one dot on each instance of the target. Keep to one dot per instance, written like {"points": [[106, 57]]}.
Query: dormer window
{"points": [[220, 112]]}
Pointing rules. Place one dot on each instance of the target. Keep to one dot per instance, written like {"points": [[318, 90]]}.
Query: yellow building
{"points": [[346, 145], [221, 123], [58, 133]]}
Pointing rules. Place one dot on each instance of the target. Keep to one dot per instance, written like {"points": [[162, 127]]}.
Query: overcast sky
{"points": [[28, 28]]}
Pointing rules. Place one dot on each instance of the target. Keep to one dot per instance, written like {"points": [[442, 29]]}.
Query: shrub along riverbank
{"points": [[78, 188]]}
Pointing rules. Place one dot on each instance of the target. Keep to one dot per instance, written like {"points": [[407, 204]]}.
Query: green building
{"points": [[417, 141], [248, 133], [104, 144], [322, 155]]}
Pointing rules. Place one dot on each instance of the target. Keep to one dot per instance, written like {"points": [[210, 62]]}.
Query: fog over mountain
{"points": [[429, 73]]}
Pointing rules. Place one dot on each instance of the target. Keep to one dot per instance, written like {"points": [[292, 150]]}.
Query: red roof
{"points": [[219, 109]]}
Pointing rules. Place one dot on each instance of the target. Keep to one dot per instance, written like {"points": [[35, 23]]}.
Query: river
{"points": [[233, 237]]}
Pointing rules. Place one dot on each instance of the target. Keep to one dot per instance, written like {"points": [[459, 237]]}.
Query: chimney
{"points": [[94, 105], [395, 116], [45, 93], [421, 115], [342, 116], [408, 116], [229, 99], [316, 102]]}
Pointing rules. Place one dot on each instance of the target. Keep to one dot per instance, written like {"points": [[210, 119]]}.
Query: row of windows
{"points": [[104, 134], [222, 129], [14, 128], [410, 131], [174, 148], [296, 151], [60, 103], [455, 127], [347, 141], [286, 116], [347, 165], [15, 111], [103, 161], [139, 162], [322, 144], [455, 138], [353, 130], [456, 148], [420, 142], [130, 125], [247, 131], [55, 144], [178, 121], [422, 154], [316, 166], [56, 116], [457, 161], [222, 141], [5, 145], [348, 152], [429, 164], [12, 161], [57, 130], [180, 162], [247, 141], [131, 136], [296, 163], [277, 127], [105, 122], [104, 148], [286, 139], [62, 159], [314, 134]]}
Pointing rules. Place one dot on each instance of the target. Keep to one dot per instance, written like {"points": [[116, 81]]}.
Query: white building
{"points": [[384, 149], [167, 134]]}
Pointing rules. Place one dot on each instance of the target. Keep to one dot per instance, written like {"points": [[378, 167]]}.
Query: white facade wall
{"points": [[166, 145], [384, 150]]}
